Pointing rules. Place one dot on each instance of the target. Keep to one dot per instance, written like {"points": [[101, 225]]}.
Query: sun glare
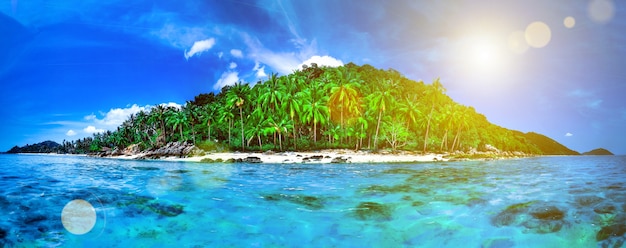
{"points": [[482, 55]]}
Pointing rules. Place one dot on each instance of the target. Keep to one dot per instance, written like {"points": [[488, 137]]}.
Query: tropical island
{"points": [[362, 109]]}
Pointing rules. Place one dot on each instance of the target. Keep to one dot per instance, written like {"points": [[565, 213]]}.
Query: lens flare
{"points": [[601, 11], [78, 217], [517, 42], [569, 22], [538, 34]]}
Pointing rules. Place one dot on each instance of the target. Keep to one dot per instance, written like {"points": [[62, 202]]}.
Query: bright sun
{"points": [[482, 56]]}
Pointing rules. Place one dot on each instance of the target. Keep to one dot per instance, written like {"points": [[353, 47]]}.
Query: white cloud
{"points": [[171, 104], [260, 70], [569, 135], [236, 53], [323, 61], [227, 78], [199, 47], [70, 133], [232, 65], [220, 54], [116, 116], [92, 129]]}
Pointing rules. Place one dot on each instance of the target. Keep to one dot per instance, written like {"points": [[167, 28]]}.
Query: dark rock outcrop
{"points": [[252, 160], [339, 160]]}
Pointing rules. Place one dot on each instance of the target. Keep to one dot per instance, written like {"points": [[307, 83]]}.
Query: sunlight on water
{"points": [[536, 202], [78, 217]]}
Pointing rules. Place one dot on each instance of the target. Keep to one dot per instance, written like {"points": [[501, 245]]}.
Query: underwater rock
{"points": [[604, 209], [166, 210], [373, 211], [402, 188], [509, 215], [180, 171], [498, 243], [547, 213], [3, 233], [310, 202], [142, 168], [34, 218], [543, 226], [400, 171], [588, 200], [611, 231], [475, 201]]}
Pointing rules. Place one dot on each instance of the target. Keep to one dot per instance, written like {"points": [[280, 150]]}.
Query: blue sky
{"points": [[69, 68]]}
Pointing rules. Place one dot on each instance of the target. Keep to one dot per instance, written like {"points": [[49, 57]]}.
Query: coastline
{"points": [[310, 157], [313, 157]]}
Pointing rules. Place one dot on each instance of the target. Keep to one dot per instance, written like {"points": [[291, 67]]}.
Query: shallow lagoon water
{"points": [[536, 202]]}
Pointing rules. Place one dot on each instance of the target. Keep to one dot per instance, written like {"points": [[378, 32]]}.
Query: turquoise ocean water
{"points": [[535, 202]]}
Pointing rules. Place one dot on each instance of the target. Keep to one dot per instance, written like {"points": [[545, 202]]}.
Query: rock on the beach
{"points": [[339, 160], [252, 160]]}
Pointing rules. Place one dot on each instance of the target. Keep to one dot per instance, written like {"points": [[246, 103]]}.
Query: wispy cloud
{"points": [[70, 132], [227, 78], [199, 47], [594, 104], [232, 65], [569, 135]]}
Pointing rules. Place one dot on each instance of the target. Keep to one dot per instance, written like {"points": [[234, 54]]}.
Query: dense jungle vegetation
{"points": [[354, 107]]}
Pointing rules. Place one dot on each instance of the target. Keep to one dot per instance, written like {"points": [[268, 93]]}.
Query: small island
{"points": [[349, 113], [599, 151]]}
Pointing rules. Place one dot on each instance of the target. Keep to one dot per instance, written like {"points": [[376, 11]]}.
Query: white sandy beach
{"points": [[309, 157]]}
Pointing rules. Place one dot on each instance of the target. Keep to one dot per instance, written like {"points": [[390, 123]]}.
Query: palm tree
{"points": [[226, 115], [345, 96], [209, 113], [314, 107], [434, 93], [379, 101], [159, 112], [292, 103], [271, 93], [410, 109], [237, 96], [178, 119]]}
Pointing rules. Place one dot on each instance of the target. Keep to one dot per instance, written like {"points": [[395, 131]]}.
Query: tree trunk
{"points": [[314, 130], [295, 141], [243, 145], [428, 128], [380, 114]]}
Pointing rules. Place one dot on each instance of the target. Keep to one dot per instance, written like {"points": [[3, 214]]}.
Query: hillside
{"points": [[43, 147], [599, 151], [349, 107], [548, 146]]}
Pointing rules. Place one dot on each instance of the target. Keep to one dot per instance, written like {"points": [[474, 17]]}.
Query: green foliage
{"points": [[353, 107]]}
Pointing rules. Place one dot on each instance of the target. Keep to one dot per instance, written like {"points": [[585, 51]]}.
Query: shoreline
{"points": [[309, 157], [312, 157]]}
